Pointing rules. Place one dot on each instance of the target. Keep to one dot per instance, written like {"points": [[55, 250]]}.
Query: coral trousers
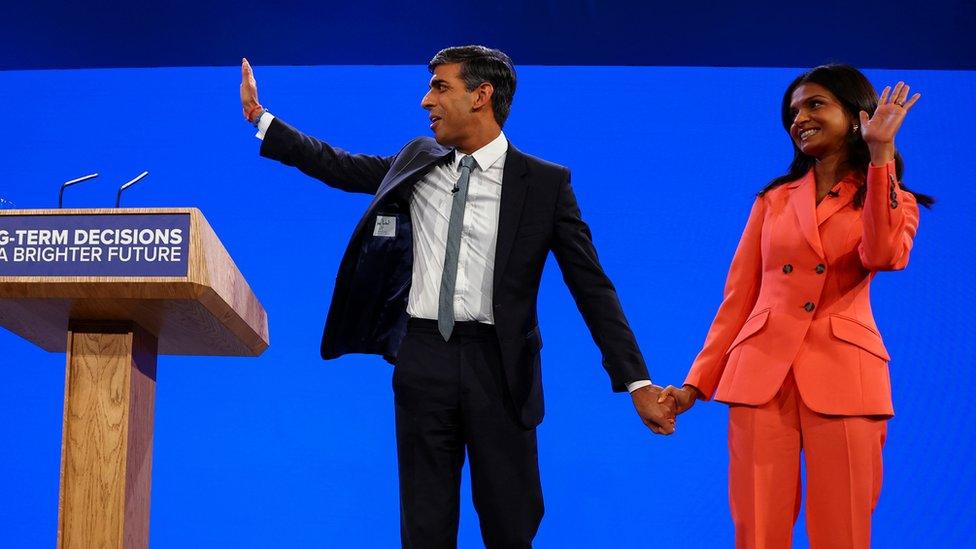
{"points": [[843, 469]]}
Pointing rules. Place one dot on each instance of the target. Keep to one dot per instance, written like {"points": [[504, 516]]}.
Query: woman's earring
{"points": [[855, 128]]}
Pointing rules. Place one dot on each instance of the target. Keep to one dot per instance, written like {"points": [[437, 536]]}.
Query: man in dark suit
{"points": [[441, 277]]}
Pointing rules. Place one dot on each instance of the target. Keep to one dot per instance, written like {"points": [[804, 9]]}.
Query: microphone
{"points": [[118, 197], [833, 194], [67, 184]]}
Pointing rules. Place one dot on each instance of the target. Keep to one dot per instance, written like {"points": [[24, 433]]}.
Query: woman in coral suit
{"points": [[794, 349]]}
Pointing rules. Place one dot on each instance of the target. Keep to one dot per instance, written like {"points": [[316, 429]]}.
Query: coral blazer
{"points": [[797, 296]]}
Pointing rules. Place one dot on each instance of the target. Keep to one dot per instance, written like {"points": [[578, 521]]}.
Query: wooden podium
{"points": [[114, 318]]}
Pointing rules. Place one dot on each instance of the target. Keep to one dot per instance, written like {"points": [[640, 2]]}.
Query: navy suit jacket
{"points": [[538, 214]]}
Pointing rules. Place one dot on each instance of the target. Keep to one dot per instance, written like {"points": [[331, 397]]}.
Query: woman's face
{"points": [[820, 123]]}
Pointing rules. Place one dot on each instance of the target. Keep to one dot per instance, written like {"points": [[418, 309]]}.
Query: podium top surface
{"points": [[162, 268]]}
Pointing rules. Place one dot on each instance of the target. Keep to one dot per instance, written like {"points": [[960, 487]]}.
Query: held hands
{"points": [[684, 398], [656, 413], [879, 130], [249, 91]]}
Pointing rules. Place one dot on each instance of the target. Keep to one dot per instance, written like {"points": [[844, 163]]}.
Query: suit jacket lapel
{"points": [[514, 186], [803, 200], [415, 167]]}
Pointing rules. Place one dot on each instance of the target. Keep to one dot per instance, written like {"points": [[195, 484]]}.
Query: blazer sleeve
{"points": [[889, 221], [595, 296], [358, 173], [741, 291]]}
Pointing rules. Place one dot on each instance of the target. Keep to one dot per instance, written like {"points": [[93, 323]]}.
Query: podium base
{"points": [[106, 449]]}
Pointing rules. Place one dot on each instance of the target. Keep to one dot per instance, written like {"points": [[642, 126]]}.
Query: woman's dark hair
{"points": [[855, 94], [478, 65]]}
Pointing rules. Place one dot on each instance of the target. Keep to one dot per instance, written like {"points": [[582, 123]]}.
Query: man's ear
{"points": [[482, 97]]}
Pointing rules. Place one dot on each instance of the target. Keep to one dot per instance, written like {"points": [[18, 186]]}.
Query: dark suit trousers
{"points": [[450, 398]]}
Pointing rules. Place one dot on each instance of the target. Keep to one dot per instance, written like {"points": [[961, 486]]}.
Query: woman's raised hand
{"points": [[879, 129]]}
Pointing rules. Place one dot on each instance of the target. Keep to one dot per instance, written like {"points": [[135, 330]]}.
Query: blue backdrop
{"points": [[288, 451]]}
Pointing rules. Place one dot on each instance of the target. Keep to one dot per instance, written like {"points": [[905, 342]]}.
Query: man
{"points": [[441, 277]]}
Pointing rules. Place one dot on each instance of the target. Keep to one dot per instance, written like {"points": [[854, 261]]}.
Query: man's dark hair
{"points": [[480, 64]]}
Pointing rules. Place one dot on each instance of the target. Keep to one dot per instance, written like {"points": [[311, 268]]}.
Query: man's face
{"points": [[450, 105]]}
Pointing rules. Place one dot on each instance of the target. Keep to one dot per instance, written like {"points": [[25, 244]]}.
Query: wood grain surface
{"points": [[106, 450]]}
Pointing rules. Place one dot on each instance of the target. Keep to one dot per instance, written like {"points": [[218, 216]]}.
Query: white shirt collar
{"points": [[486, 156]]}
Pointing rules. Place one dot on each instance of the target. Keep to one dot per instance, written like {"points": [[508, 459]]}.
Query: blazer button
{"points": [[821, 268], [787, 268], [808, 307]]}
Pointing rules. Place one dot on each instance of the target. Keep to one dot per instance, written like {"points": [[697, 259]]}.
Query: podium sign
{"points": [[94, 245], [115, 288]]}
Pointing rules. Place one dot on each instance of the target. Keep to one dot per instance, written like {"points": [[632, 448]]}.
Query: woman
{"points": [[794, 349]]}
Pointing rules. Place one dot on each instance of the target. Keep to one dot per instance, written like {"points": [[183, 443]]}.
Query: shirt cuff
{"points": [[634, 385], [263, 123]]}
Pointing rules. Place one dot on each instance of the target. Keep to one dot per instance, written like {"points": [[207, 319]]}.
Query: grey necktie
{"points": [[445, 303]]}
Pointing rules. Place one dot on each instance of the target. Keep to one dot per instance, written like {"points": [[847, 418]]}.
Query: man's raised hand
{"points": [[249, 90]]}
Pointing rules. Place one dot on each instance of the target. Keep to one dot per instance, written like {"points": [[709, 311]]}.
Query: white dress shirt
{"points": [[430, 211]]}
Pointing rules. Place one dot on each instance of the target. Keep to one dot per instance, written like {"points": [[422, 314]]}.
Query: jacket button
{"points": [[787, 268], [821, 268], [808, 307]]}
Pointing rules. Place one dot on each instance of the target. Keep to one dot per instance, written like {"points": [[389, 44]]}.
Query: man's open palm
{"points": [[249, 87]]}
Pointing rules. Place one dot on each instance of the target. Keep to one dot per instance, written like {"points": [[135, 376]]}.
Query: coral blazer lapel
{"points": [[803, 200]]}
